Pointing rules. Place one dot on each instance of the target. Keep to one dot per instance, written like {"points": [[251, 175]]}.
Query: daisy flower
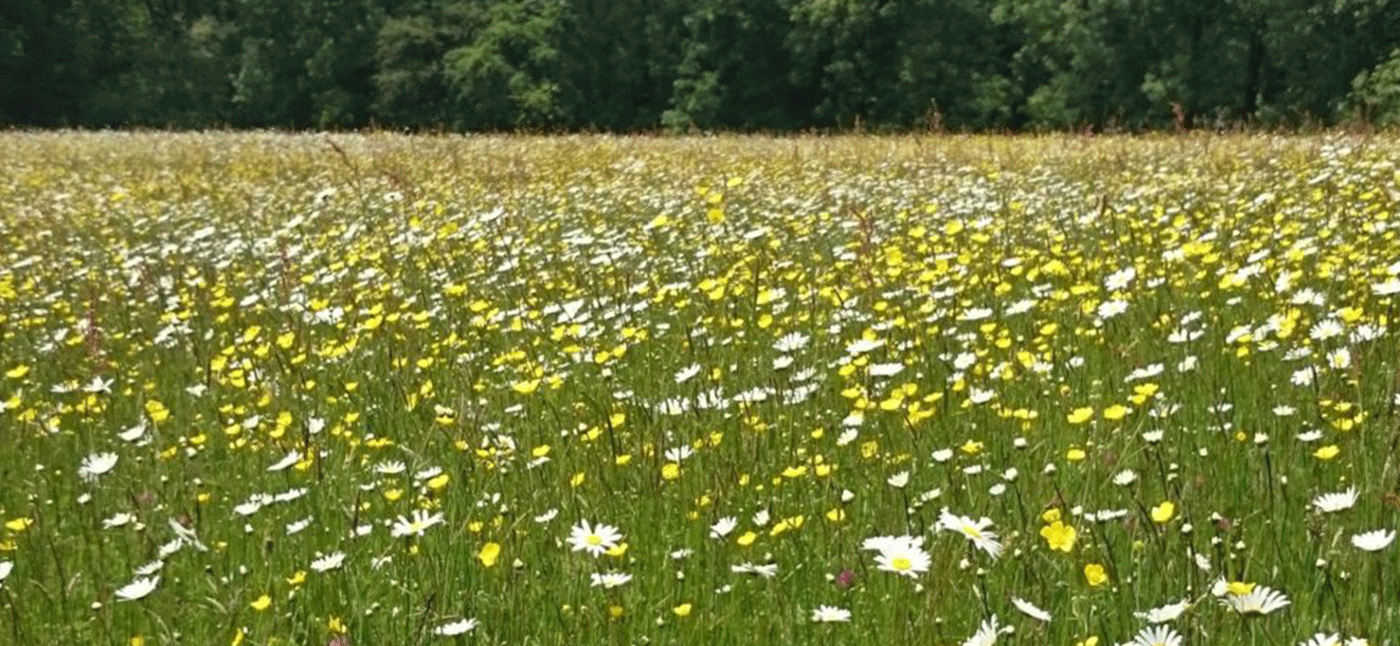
{"points": [[137, 589], [986, 634], [1030, 609], [974, 530], [5, 568], [828, 614], [722, 528], [903, 557], [288, 460], [1157, 636], [329, 562], [420, 523], [594, 539], [456, 628], [97, 464], [1373, 541], [1333, 502], [1260, 601], [610, 580], [885, 543], [1165, 613], [767, 571]]}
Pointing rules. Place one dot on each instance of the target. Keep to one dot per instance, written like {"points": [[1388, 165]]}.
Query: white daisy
{"points": [[679, 453], [1262, 600], [885, 369], [455, 628], [828, 614], [722, 528], [1157, 636], [137, 589], [974, 530], [593, 539], [610, 580], [547, 516], [1334, 502], [862, 346], [766, 571], [903, 557], [134, 433], [420, 523], [329, 562], [1030, 609], [120, 519], [1165, 613], [97, 464], [791, 342], [685, 374], [286, 461], [1373, 541], [986, 634]]}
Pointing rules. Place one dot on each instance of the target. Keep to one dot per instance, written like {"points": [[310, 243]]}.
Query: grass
{"points": [[1140, 360]]}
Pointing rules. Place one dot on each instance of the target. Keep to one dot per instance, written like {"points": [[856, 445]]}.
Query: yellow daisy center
{"points": [[594, 539], [901, 563]]}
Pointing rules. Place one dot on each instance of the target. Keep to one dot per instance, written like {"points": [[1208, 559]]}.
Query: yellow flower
{"points": [[1115, 412], [262, 603], [794, 472], [682, 610], [671, 470], [489, 553], [1163, 512], [19, 524], [747, 539], [18, 372], [158, 412], [1238, 588], [1059, 536], [1080, 415], [1327, 452], [1094, 574], [1075, 455], [1051, 515]]}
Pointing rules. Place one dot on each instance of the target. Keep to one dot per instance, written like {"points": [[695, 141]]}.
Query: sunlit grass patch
{"points": [[261, 389]]}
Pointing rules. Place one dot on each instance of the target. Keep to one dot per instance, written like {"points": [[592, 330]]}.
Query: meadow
{"points": [[341, 389]]}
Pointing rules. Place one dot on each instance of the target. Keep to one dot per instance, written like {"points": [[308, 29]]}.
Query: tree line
{"points": [[630, 65]]}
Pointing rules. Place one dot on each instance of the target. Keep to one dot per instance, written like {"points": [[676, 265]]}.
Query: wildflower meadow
{"points": [[358, 389]]}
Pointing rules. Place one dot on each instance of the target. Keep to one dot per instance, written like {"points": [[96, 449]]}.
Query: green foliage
{"points": [[683, 64], [1376, 92], [507, 74]]}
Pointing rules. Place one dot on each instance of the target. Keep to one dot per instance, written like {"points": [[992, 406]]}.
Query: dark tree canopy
{"points": [[680, 64]]}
